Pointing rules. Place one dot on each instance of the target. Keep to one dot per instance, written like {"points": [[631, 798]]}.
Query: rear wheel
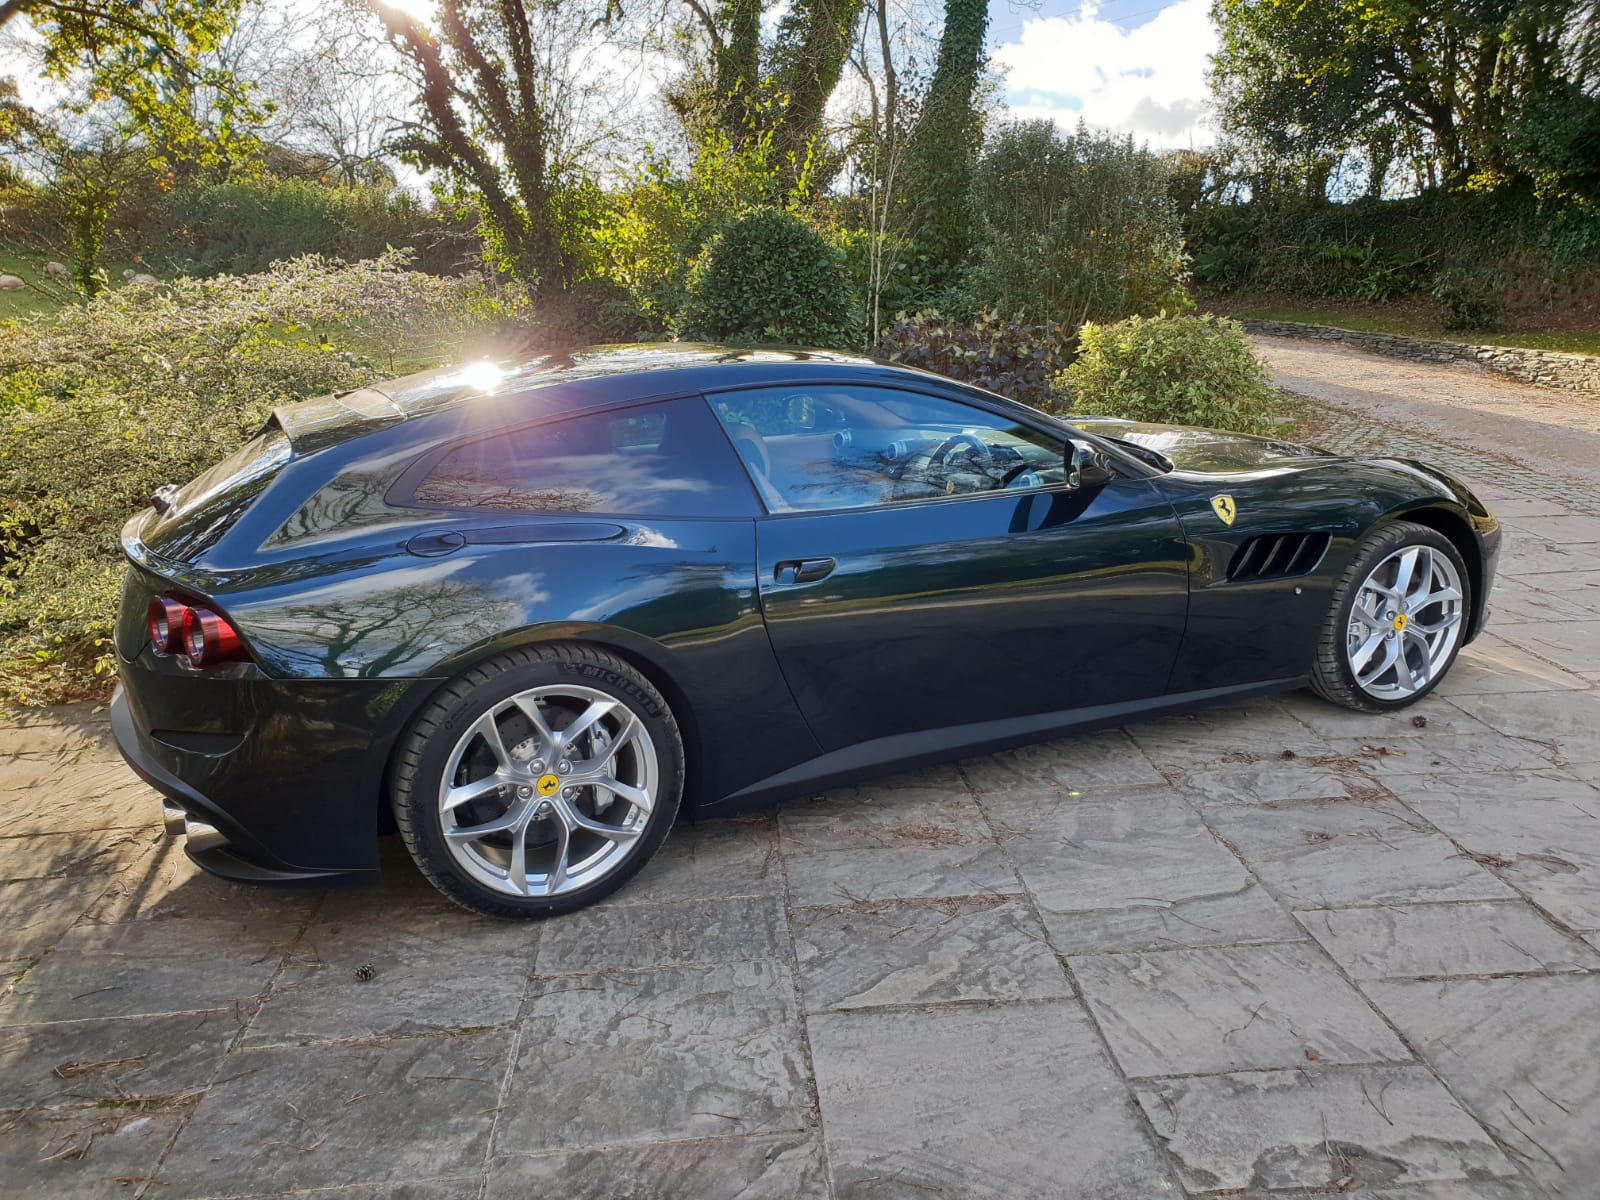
{"points": [[1397, 622], [539, 782]]}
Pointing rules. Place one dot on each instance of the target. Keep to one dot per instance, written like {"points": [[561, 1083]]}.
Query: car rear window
{"points": [[664, 459]]}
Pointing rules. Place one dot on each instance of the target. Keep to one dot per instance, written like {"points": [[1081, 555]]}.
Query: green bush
{"points": [[1013, 358], [1468, 297], [769, 277], [1073, 228], [102, 403], [1183, 370], [244, 226]]}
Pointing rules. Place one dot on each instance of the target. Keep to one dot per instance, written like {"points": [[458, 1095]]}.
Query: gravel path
{"points": [[1469, 409]]}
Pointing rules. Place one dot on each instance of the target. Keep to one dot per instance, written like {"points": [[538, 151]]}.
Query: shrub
{"points": [[1468, 298], [245, 225], [1013, 358], [1072, 228], [100, 404], [769, 277], [1182, 370]]}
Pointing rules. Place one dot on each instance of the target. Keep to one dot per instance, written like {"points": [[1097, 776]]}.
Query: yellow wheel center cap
{"points": [[1399, 624], [547, 785]]}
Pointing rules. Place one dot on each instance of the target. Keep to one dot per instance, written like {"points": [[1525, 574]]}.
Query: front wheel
{"points": [[539, 782], [1398, 619]]}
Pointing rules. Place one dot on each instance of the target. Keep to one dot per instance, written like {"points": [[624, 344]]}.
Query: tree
{"points": [[748, 86], [947, 136], [1445, 83], [148, 59], [492, 84], [134, 70]]}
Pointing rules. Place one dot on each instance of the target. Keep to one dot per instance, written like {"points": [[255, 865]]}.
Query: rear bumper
{"points": [[271, 781]]}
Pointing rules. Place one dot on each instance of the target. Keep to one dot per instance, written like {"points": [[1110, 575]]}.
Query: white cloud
{"points": [[1148, 80]]}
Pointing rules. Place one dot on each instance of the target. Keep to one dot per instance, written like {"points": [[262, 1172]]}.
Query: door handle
{"points": [[803, 570]]}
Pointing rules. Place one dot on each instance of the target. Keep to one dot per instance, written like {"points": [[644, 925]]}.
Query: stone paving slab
{"points": [[60, 855], [287, 1117], [1013, 1102], [1568, 724], [1271, 782], [1420, 940], [1326, 854], [854, 817], [688, 1052], [900, 952], [1101, 760], [1523, 1055], [1230, 1008], [1143, 872], [777, 1167], [909, 872], [81, 1153], [709, 861], [36, 913], [147, 967], [421, 967], [1495, 666], [1385, 758], [1343, 1130], [1574, 644], [694, 931], [89, 1063], [1538, 831], [165, 883]]}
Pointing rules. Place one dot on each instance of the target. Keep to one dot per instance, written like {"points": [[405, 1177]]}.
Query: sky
{"points": [[1135, 66]]}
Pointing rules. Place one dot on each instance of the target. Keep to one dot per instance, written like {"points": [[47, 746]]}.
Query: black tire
{"points": [[426, 750], [1331, 676]]}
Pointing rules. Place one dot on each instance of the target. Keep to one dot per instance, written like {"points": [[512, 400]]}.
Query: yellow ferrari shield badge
{"points": [[547, 785], [1225, 508]]}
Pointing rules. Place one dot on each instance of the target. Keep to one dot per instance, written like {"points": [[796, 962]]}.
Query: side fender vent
{"points": [[1277, 556]]}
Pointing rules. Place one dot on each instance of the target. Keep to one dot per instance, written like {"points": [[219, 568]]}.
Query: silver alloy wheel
{"points": [[548, 791], [1405, 623]]}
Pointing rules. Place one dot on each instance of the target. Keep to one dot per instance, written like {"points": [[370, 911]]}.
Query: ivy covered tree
{"points": [[945, 141], [745, 85]]}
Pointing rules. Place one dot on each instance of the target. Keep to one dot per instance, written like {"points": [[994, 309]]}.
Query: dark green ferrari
{"points": [[530, 613]]}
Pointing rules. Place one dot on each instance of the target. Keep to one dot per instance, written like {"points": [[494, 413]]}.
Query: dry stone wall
{"points": [[1546, 368]]}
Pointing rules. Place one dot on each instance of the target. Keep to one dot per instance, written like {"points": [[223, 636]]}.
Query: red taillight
{"points": [[164, 620], [208, 639]]}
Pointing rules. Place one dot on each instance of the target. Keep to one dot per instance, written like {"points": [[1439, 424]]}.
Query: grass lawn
{"points": [[43, 294], [1410, 321]]}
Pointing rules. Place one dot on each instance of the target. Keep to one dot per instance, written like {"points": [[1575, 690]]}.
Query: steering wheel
{"points": [[980, 451], [1016, 473]]}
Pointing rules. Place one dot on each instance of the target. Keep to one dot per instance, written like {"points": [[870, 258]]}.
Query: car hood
{"points": [[1205, 451]]}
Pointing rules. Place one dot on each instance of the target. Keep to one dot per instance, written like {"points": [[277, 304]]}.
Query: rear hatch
{"points": [[188, 521]]}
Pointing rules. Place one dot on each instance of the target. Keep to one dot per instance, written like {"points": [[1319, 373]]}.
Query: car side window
{"points": [[664, 459], [828, 447]]}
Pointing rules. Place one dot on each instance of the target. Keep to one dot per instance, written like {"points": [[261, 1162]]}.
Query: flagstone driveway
{"points": [[1274, 948]]}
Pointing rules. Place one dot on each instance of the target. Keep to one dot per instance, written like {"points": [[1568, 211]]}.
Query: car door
{"points": [[927, 563]]}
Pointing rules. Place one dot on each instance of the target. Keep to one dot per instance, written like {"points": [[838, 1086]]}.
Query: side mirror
{"points": [[1087, 467]]}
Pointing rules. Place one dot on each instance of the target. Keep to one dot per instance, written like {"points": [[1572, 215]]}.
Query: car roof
{"points": [[607, 374], [593, 377]]}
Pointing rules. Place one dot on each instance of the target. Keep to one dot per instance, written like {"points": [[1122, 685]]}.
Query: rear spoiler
{"points": [[311, 424]]}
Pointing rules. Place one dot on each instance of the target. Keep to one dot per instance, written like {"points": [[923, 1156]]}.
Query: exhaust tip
{"points": [[197, 835], [201, 836]]}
